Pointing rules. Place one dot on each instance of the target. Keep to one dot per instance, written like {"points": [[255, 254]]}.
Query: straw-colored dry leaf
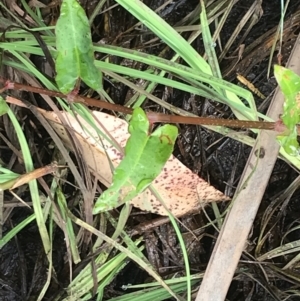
{"points": [[181, 190]]}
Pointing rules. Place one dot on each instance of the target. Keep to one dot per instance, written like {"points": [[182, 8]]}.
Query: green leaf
{"points": [[290, 143], [7, 178], [289, 83], [3, 106], [75, 54], [145, 156]]}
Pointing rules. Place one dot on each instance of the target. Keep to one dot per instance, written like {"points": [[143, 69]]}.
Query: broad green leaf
{"points": [[289, 83], [75, 54], [145, 156]]}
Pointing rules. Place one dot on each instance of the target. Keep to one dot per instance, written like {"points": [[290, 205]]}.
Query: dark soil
{"points": [[215, 158]]}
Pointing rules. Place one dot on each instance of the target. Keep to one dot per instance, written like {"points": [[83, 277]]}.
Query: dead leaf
{"points": [[182, 190]]}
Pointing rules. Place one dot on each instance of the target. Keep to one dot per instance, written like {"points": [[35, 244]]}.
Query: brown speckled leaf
{"points": [[181, 190]]}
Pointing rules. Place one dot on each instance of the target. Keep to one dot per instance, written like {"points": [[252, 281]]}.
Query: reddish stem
{"points": [[154, 117], [243, 124]]}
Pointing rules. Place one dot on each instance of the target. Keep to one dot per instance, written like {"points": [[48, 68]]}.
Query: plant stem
{"points": [[77, 98], [153, 117], [243, 124]]}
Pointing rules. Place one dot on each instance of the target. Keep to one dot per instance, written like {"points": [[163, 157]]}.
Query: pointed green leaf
{"points": [[289, 83], [75, 54], [3, 106], [7, 178], [145, 156]]}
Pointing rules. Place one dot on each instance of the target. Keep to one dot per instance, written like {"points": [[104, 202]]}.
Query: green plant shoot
{"points": [[75, 54], [145, 156], [289, 83]]}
